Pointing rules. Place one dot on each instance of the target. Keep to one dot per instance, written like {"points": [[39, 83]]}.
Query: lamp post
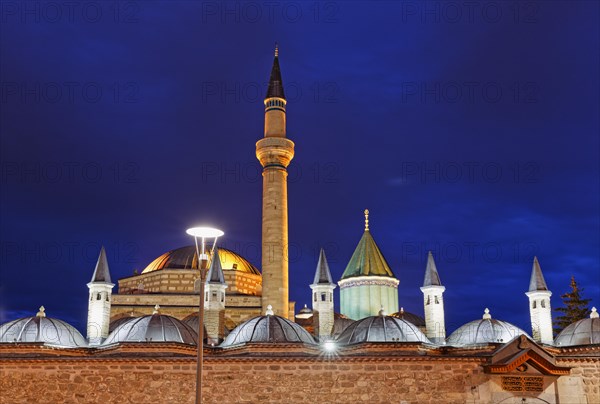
{"points": [[203, 234]]}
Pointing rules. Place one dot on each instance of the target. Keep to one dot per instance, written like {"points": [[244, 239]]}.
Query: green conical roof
{"points": [[367, 260]]}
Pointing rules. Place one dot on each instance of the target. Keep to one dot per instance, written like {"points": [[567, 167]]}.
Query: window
{"points": [[314, 297], [428, 301], [222, 297], [543, 302], [533, 305], [235, 266], [107, 299], [437, 301], [98, 296], [331, 297], [323, 297], [214, 294]]}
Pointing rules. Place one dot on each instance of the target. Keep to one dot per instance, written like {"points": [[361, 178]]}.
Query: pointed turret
{"points": [[537, 281], [322, 275], [539, 306], [367, 259], [214, 300], [433, 303], [275, 89], [100, 289], [367, 282], [101, 273], [215, 272], [322, 289], [432, 278]]}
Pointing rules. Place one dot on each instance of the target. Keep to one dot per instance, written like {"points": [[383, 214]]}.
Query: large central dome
{"points": [[186, 258]]}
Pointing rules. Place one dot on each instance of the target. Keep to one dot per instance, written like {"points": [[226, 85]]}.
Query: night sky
{"points": [[471, 131]]}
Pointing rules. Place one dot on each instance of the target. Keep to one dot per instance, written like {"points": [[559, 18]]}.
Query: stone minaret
{"points": [[433, 302], [99, 303], [322, 298], [275, 152], [214, 301], [539, 306]]}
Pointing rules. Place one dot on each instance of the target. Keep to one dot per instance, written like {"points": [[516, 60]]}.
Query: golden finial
{"points": [[276, 50], [42, 312], [156, 309], [366, 219]]}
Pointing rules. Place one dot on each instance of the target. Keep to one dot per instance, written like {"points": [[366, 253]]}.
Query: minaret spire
{"points": [[275, 152], [539, 306], [433, 302], [99, 304], [366, 219], [214, 300], [322, 290]]}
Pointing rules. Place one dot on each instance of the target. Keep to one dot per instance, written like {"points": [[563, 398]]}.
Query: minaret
{"points": [[322, 298], [214, 301], [433, 302], [275, 152], [539, 306], [99, 303]]}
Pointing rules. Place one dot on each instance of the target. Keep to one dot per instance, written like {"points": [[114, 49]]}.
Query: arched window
{"points": [[437, 301], [543, 302], [533, 305], [428, 301], [314, 297], [98, 296], [323, 297]]}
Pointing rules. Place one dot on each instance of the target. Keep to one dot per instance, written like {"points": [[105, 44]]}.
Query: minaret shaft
{"points": [[275, 152]]}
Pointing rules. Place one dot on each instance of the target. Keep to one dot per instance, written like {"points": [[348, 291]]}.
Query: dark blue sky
{"points": [[468, 130]]}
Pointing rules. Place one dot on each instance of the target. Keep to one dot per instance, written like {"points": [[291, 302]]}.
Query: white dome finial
{"points": [[382, 312], [156, 309], [594, 313], [42, 312], [269, 311], [486, 314]]}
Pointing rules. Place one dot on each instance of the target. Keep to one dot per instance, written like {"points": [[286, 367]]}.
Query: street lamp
{"points": [[203, 234]]}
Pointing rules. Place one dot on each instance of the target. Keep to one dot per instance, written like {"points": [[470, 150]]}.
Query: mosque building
{"points": [[141, 339]]}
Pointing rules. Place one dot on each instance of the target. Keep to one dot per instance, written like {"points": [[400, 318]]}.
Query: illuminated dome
{"points": [[268, 329], [582, 332], [186, 258], [153, 328], [40, 328], [483, 331], [381, 328]]}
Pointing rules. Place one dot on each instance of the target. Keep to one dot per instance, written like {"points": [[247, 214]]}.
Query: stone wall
{"points": [[232, 381]]}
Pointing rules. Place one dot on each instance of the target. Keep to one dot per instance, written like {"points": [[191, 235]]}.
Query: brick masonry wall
{"points": [[237, 381]]}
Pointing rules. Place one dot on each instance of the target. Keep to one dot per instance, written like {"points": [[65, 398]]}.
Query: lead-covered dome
{"points": [[483, 331], [582, 332], [381, 328], [268, 329], [410, 317], [44, 329], [153, 328], [186, 258]]}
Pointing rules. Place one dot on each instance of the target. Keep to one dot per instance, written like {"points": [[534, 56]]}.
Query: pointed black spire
{"points": [[275, 88], [215, 272], [537, 281], [101, 273], [322, 275], [432, 278]]}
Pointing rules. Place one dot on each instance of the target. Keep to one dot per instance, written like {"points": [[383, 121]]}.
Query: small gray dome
{"points": [[153, 328], [483, 331], [582, 332], [340, 323], [193, 319], [381, 328], [44, 329], [269, 328], [410, 317]]}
